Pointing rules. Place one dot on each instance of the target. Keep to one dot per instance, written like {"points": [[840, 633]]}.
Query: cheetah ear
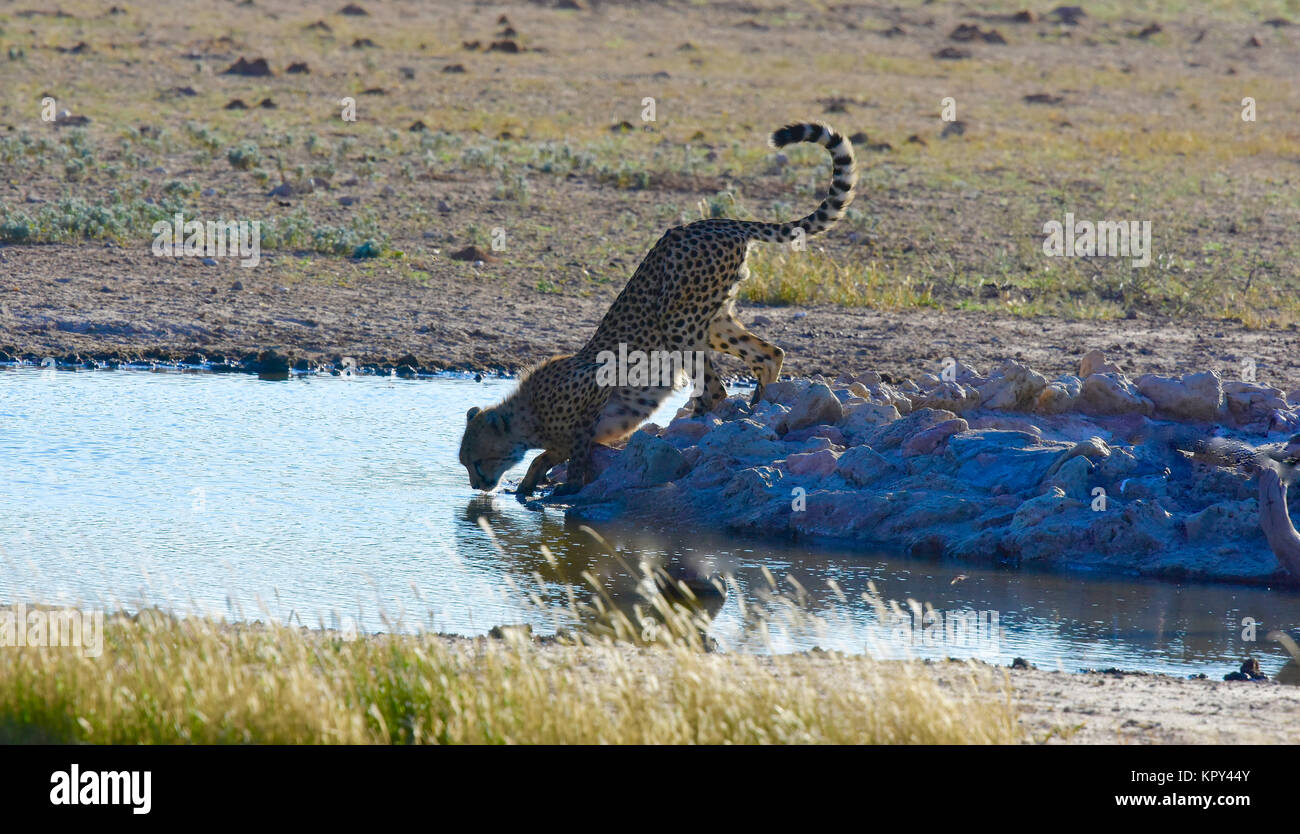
{"points": [[469, 415], [499, 424]]}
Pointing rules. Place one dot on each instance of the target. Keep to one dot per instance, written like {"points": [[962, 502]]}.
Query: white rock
{"points": [[863, 466], [1190, 397], [1111, 394], [816, 406], [950, 396], [1013, 387], [1094, 362]]}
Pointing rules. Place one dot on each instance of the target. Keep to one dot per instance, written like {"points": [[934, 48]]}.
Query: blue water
{"points": [[340, 502]]}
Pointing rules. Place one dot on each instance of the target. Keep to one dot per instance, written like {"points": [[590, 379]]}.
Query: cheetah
{"points": [[680, 298]]}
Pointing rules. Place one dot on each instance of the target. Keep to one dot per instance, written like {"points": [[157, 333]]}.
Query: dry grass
{"points": [[815, 277], [162, 680], [642, 674], [168, 681]]}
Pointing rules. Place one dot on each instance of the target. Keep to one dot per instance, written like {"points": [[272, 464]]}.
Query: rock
{"points": [[1223, 520], [1111, 394], [255, 68], [1001, 462], [951, 396], [967, 373], [473, 254], [927, 546], [998, 487], [752, 486], [741, 439], [882, 393], [786, 392], [1058, 397], [892, 435], [1072, 478], [1246, 403], [771, 415], [1001, 422], [1093, 447], [1037, 510], [1069, 15], [861, 418], [864, 466], [1013, 387], [1094, 362], [271, 365], [831, 433], [689, 430], [815, 464], [927, 441], [707, 472], [1190, 397], [817, 405], [647, 461], [523, 631]]}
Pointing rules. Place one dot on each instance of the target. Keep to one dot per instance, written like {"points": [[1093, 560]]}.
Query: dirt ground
{"points": [[188, 309], [1115, 708], [1099, 114]]}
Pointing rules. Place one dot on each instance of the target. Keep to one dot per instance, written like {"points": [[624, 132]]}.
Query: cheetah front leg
{"points": [[540, 466], [728, 335], [579, 472]]}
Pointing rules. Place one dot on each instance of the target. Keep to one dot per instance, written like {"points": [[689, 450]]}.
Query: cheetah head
{"points": [[489, 447]]}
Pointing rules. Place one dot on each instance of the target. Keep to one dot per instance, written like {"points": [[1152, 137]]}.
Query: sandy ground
{"points": [[1116, 708], [119, 306], [1105, 707]]}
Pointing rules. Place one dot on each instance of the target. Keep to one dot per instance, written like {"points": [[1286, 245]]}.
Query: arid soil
{"points": [[1133, 708], [457, 134], [122, 305]]}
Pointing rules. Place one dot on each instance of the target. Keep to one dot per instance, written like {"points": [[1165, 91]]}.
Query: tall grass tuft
{"points": [[643, 673], [814, 277]]}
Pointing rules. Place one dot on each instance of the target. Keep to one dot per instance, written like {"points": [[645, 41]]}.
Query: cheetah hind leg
{"points": [[627, 409], [714, 392], [728, 335]]}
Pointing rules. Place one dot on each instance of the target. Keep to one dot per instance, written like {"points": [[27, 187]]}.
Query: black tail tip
{"points": [[789, 135]]}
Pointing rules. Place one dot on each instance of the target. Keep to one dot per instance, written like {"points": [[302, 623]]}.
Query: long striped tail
{"points": [[844, 178]]}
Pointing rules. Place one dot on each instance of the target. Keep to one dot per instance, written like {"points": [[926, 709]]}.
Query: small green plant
{"points": [[243, 157]]}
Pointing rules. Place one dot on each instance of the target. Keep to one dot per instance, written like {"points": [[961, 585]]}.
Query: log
{"points": [[1276, 522]]}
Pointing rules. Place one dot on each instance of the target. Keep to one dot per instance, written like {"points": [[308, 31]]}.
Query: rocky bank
{"points": [[1181, 477]]}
